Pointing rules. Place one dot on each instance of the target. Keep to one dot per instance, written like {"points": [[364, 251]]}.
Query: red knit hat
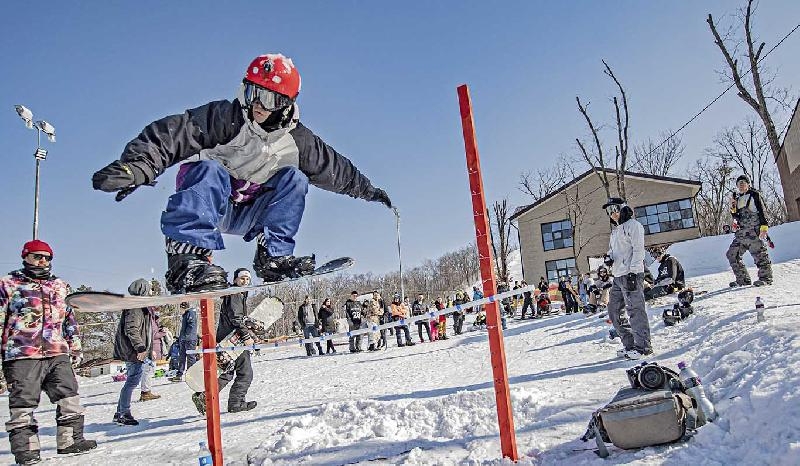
{"points": [[36, 246]]}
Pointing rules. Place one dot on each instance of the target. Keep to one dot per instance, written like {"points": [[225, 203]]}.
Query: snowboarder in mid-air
{"points": [[247, 166]]}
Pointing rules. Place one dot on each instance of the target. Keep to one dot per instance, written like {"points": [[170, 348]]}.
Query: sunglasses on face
{"points": [[38, 257], [613, 208]]}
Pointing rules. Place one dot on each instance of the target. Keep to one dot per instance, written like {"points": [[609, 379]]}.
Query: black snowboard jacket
{"points": [[354, 311], [222, 131], [232, 316], [670, 268]]}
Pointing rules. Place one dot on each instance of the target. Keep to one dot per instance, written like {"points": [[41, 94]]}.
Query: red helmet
{"points": [[276, 73]]}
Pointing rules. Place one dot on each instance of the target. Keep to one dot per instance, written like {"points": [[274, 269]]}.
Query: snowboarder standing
{"points": [[354, 313], [419, 308], [750, 232], [39, 344], [308, 318], [247, 167], [133, 343], [328, 323], [400, 312], [626, 257], [232, 318]]}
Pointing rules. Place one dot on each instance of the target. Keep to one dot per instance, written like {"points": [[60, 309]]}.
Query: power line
{"points": [[675, 133], [723, 92]]}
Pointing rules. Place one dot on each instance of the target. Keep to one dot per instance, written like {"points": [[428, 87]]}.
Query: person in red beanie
{"points": [[39, 343]]}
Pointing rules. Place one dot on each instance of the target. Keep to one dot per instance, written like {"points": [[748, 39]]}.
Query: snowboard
{"points": [[258, 321], [103, 301]]}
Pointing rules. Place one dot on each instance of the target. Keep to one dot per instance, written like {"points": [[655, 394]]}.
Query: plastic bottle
{"points": [[204, 457], [694, 386], [760, 309]]}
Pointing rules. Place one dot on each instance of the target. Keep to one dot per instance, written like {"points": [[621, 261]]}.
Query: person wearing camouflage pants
{"points": [[750, 232]]}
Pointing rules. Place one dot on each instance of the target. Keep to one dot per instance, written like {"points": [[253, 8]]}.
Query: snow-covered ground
{"points": [[434, 403]]}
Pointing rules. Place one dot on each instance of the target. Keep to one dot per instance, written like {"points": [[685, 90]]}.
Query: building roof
{"points": [[789, 127], [522, 209]]}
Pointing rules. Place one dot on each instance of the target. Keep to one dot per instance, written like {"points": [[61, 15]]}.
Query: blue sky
{"points": [[379, 85]]}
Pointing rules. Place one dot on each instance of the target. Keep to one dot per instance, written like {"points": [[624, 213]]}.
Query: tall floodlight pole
{"points": [[399, 254], [39, 155]]}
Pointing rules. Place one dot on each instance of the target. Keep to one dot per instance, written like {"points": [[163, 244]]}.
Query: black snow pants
{"points": [[424, 323], [27, 379], [243, 371]]}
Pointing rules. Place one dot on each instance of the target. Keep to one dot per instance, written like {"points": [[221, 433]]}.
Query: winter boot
{"points": [[27, 457], [739, 283], [762, 282], [193, 272], [241, 406], [372, 347], [147, 396], [275, 269], [81, 446]]}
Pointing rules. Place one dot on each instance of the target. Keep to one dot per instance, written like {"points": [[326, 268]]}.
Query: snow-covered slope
{"points": [[434, 403], [703, 256]]}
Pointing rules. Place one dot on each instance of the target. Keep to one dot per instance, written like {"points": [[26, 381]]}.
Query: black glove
{"points": [[608, 260], [379, 195], [119, 175], [631, 281]]}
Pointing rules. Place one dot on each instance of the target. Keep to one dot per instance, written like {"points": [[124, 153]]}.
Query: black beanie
{"points": [[744, 178]]}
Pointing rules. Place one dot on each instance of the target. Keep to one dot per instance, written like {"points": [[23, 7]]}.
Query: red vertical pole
{"points": [[505, 415], [210, 379]]}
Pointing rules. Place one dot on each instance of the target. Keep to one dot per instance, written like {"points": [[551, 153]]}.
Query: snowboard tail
{"points": [[103, 301]]}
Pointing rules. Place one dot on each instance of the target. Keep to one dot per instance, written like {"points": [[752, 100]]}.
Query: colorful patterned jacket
{"points": [[37, 323]]}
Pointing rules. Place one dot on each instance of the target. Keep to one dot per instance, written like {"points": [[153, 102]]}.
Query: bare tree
{"points": [[501, 238], [547, 180], [581, 223], [760, 90], [596, 158], [711, 203], [746, 148], [658, 158]]}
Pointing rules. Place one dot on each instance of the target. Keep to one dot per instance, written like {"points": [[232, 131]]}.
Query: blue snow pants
{"points": [[201, 209]]}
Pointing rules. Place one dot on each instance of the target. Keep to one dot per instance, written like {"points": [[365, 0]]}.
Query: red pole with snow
{"points": [[210, 379], [505, 415]]}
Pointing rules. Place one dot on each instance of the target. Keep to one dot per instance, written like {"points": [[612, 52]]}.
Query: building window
{"points": [[557, 235], [667, 216], [559, 268]]}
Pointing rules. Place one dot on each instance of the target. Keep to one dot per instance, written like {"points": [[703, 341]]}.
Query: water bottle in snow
{"points": [[204, 457], [693, 385], [759, 309]]}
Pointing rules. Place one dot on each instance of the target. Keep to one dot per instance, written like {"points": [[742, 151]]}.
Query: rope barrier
{"points": [[372, 328]]}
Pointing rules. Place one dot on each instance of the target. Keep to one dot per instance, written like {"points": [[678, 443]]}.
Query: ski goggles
{"points": [[268, 99], [610, 209]]}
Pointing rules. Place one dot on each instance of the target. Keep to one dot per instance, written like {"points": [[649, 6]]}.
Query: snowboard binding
{"points": [[277, 268]]}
